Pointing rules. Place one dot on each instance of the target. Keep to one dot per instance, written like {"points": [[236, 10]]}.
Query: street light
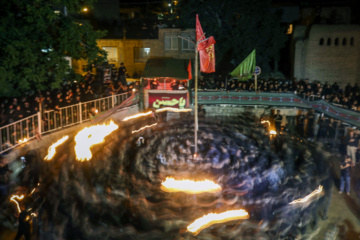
{"points": [[85, 9]]}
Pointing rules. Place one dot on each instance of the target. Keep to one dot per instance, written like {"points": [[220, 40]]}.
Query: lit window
{"points": [[171, 42], [112, 54], [141, 54]]}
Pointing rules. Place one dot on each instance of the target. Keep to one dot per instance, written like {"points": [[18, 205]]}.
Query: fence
{"points": [[28, 128]]}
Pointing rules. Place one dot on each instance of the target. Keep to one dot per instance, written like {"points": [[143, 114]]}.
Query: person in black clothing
{"points": [[18, 113], [278, 119], [24, 225], [310, 127], [345, 168], [323, 126], [4, 178], [301, 124], [122, 74], [154, 84], [332, 131], [175, 85]]}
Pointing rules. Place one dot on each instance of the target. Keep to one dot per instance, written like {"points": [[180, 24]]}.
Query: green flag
{"points": [[246, 68]]}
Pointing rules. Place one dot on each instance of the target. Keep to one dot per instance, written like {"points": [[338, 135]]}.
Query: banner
{"points": [[246, 68], [206, 49], [189, 70], [176, 99]]}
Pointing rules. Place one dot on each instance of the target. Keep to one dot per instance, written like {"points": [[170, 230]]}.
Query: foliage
{"points": [[34, 41], [238, 27]]}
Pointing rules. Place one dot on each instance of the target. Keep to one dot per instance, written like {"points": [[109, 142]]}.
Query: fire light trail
{"points": [[52, 148], [212, 218], [189, 186], [23, 140], [158, 111], [173, 109], [147, 126], [265, 121], [305, 199], [18, 198], [90, 136], [137, 115]]}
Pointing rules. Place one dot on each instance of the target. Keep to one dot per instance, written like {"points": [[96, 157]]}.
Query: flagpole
{"points": [[196, 100]]}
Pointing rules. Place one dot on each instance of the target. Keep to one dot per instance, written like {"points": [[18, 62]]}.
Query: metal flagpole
{"points": [[196, 127], [196, 99]]}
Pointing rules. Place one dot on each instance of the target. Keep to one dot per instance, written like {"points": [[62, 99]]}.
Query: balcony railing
{"points": [[14, 134]]}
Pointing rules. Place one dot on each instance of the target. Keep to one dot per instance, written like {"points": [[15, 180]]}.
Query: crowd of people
{"points": [[349, 97], [15, 109]]}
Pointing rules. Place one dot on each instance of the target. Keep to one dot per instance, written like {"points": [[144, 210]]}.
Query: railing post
{"points": [[39, 123], [113, 100], [80, 112]]}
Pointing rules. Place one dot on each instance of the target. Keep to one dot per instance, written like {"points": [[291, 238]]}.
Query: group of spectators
{"points": [[12, 110], [349, 97]]}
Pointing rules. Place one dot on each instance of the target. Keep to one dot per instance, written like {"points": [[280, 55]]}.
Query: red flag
{"points": [[206, 49], [189, 70]]}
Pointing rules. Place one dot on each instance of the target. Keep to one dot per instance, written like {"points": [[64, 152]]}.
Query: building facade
{"points": [[171, 42], [327, 53]]}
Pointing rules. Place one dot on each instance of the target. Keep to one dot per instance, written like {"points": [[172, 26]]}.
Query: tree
{"points": [[238, 28], [35, 38]]}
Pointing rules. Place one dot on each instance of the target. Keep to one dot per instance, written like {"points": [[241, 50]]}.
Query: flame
{"points": [[147, 126], [137, 115], [273, 132], [18, 198], [23, 140], [212, 218], [173, 109], [90, 136], [52, 148], [189, 186], [157, 110], [266, 121], [33, 214], [305, 199], [96, 111]]}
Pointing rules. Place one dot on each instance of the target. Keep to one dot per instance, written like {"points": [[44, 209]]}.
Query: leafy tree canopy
{"points": [[35, 38], [238, 27]]}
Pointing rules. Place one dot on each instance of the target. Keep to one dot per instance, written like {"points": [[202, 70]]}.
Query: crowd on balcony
{"points": [[349, 97], [14, 109]]}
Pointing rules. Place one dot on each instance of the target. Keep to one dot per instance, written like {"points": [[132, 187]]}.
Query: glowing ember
{"points": [[265, 121], [272, 132], [52, 148], [147, 126], [23, 140], [137, 115], [32, 191], [18, 198], [189, 186], [173, 109], [305, 199], [212, 218], [90, 136]]}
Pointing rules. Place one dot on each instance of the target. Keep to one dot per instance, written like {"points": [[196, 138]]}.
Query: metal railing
{"points": [[18, 132], [28, 128]]}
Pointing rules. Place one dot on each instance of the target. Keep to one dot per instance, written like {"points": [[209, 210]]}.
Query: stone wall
{"points": [[329, 53]]}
